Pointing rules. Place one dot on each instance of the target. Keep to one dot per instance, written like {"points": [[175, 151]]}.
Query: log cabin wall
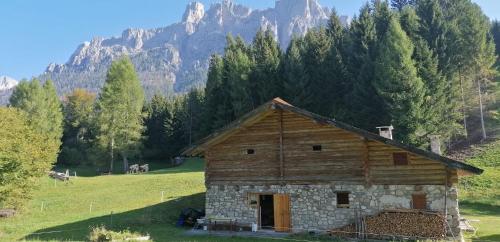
{"points": [[340, 157], [229, 162], [284, 153]]}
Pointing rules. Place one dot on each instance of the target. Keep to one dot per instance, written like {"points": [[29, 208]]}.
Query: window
{"points": [[419, 201], [400, 159], [317, 147], [250, 151], [342, 199]]}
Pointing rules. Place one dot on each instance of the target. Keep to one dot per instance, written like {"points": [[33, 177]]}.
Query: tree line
{"points": [[421, 66], [416, 66]]}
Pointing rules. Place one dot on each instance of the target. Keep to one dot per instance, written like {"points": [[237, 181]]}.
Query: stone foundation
{"points": [[314, 207]]}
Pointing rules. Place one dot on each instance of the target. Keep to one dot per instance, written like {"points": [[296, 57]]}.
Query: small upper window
{"points": [[317, 147], [400, 158], [250, 151], [342, 199]]}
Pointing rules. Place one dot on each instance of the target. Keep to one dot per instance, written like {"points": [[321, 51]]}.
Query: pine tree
{"points": [[185, 127], [237, 69], [458, 32], [119, 110], [293, 72], [434, 30], [382, 16], [178, 138], [158, 114], [79, 130], [397, 83], [338, 83], [194, 109], [215, 96], [441, 36], [317, 45], [436, 118], [495, 33], [364, 101], [265, 81], [400, 4]]}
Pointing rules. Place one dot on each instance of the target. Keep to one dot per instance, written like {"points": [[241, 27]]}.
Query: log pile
{"points": [[401, 223]]}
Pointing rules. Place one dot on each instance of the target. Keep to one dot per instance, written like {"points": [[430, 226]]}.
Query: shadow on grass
{"points": [[494, 237], [479, 208], [158, 221]]}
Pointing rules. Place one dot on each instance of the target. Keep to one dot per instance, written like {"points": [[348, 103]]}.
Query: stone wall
{"points": [[314, 207]]}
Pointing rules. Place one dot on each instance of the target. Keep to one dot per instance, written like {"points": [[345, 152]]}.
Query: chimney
{"points": [[385, 131], [435, 144]]}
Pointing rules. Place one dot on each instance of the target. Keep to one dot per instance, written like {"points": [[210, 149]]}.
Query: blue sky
{"points": [[34, 33]]}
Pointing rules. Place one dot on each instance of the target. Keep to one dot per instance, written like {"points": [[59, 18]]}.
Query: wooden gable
{"points": [[344, 156], [279, 143]]}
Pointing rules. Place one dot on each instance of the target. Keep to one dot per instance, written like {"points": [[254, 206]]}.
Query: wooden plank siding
{"points": [[344, 156]]}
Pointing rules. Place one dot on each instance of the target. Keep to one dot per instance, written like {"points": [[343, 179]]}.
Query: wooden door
{"points": [[419, 201], [282, 222]]}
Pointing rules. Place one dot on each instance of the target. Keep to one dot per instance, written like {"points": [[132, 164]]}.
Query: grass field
{"points": [[118, 201], [66, 211]]}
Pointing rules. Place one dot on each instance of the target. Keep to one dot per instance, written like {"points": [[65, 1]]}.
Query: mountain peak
{"points": [[306, 8], [176, 57], [7, 83], [195, 11]]}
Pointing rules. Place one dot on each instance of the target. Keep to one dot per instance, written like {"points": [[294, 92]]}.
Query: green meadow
{"points": [[67, 211]]}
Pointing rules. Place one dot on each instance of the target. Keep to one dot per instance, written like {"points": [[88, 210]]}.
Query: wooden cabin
{"points": [[286, 169]]}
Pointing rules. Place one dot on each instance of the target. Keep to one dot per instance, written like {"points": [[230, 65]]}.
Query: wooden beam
{"points": [[282, 158], [366, 163]]}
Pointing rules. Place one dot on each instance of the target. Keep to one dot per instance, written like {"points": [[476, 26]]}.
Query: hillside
{"points": [[176, 56], [125, 201], [479, 194]]}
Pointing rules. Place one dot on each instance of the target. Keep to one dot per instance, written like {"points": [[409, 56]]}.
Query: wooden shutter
{"points": [[419, 201], [282, 222]]}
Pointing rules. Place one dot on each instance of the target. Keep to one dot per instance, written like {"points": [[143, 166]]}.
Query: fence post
{"points": [[111, 219], [41, 208], [90, 208], [161, 200]]}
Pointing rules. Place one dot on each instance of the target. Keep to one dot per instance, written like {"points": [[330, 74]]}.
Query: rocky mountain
{"points": [[7, 83], [175, 58], [6, 86]]}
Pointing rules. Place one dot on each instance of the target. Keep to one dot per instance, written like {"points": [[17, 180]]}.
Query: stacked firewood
{"points": [[395, 224]]}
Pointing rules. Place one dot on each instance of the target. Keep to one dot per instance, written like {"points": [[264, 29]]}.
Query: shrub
{"points": [[25, 156], [101, 234]]}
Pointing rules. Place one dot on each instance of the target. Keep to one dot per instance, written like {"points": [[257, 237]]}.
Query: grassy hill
{"points": [[134, 202], [480, 195]]}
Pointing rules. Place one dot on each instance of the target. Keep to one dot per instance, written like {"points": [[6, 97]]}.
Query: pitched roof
{"points": [[278, 103]]}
